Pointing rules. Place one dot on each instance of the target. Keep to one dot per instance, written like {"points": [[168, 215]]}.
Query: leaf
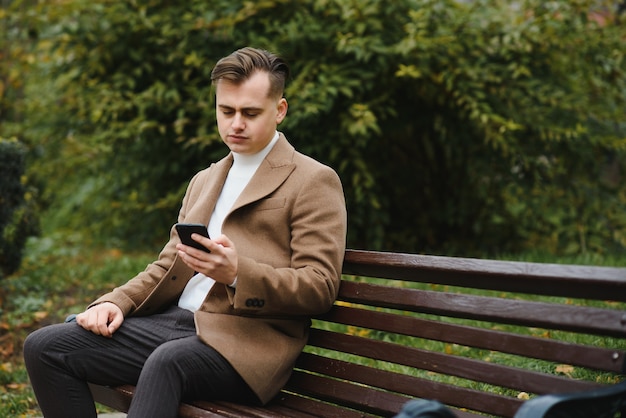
{"points": [[565, 369], [40, 315]]}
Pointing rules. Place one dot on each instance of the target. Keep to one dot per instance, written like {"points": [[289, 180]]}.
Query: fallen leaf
{"points": [[7, 349], [16, 386], [40, 315], [565, 369]]}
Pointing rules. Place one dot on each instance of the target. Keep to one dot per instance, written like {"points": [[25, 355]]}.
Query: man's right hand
{"points": [[103, 319]]}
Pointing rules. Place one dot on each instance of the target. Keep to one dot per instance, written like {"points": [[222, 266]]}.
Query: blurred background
{"points": [[479, 128]]}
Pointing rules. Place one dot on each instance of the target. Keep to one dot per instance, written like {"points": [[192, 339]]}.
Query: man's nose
{"points": [[238, 121]]}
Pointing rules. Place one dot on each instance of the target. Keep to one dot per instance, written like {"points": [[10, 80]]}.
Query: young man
{"points": [[226, 324]]}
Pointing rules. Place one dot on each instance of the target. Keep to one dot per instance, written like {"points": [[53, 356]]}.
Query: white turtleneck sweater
{"points": [[239, 175]]}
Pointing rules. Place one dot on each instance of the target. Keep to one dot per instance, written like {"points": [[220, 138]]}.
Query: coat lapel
{"points": [[272, 172], [209, 192]]}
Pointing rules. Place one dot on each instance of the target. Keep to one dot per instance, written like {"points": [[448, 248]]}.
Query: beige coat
{"points": [[289, 229]]}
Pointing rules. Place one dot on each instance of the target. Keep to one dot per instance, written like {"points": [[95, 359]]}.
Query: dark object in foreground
{"points": [[599, 403]]}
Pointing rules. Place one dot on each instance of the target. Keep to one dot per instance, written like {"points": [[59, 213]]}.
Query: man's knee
{"points": [[35, 344], [175, 359], [45, 342], [164, 357]]}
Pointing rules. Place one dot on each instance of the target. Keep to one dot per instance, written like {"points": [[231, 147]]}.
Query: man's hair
{"points": [[243, 63]]}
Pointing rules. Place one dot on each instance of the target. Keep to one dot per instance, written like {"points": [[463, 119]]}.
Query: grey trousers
{"points": [[160, 354]]}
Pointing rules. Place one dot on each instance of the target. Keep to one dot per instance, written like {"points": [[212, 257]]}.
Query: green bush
{"points": [[457, 127], [17, 210]]}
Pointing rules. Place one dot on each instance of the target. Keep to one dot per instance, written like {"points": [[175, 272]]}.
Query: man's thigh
{"points": [[199, 369], [118, 359]]}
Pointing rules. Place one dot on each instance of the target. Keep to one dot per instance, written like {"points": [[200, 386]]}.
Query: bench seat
{"points": [[481, 336]]}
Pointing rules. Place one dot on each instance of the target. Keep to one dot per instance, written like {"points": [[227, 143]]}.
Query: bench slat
{"points": [[409, 385], [517, 312], [365, 399], [233, 410], [477, 370], [117, 398], [200, 409], [539, 348], [345, 393], [587, 282], [316, 408]]}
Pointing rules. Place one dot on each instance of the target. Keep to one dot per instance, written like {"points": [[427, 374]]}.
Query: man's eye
{"points": [[227, 112], [251, 115]]}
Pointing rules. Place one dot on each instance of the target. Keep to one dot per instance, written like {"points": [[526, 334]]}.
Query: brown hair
{"points": [[243, 63]]}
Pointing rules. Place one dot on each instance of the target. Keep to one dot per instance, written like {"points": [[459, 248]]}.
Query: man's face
{"points": [[246, 117]]}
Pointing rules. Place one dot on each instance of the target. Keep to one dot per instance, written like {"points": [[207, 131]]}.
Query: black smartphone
{"points": [[185, 231]]}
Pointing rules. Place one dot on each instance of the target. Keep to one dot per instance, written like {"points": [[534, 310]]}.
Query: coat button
{"points": [[173, 277], [255, 303]]}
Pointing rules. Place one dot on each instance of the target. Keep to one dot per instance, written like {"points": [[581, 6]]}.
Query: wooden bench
{"points": [[480, 336]]}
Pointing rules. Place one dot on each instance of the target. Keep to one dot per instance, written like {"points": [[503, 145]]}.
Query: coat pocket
{"points": [[271, 203]]}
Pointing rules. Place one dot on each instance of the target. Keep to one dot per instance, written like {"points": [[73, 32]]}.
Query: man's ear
{"points": [[281, 110]]}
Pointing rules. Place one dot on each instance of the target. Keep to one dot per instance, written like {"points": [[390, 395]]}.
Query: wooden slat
{"points": [[192, 411], [581, 319], [414, 387], [317, 408], [345, 393], [476, 370], [234, 410], [361, 398], [117, 398], [588, 282], [489, 339]]}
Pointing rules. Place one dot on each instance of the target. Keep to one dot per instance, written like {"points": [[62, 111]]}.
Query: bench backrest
{"points": [[477, 335]]}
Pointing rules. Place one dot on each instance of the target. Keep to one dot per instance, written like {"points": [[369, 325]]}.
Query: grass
{"points": [[59, 275]]}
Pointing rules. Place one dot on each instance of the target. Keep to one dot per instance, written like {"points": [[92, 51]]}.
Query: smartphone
{"points": [[185, 231]]}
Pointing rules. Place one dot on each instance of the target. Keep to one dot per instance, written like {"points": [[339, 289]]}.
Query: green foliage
{"points": [[526, 103], [14, 404], [457, 127], [18, 218], [58, 276]]}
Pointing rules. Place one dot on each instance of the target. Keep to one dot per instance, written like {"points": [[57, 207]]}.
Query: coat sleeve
{"points": [[133, 293]]}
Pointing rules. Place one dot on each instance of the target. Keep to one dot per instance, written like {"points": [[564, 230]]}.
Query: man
{"points": [[226, 324]]}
